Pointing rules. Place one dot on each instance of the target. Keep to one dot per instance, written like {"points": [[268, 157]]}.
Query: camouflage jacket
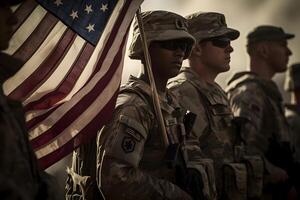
{"points": [[19, 172], [213, 127], [260, 103], [292, 113], [131, 157], [18, 167]]}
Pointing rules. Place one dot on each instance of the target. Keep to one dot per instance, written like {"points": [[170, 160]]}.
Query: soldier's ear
{"points": [[197, 50], [263, 49]]}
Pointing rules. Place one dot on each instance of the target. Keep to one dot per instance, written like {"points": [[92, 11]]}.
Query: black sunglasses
{"points": [[221, 42], [173, 45]]}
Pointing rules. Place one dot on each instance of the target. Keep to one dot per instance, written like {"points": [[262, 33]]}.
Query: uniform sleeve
{"points": [[249, 104], [119, 175]]}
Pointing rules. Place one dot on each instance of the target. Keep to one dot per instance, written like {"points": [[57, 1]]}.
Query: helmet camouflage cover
{"points": [[160, 26]]}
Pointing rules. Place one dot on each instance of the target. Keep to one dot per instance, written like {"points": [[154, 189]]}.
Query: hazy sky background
{"points": [[242, 15]]}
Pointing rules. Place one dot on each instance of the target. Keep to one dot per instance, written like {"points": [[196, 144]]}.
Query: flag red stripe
{"points": [[41, 74], [88, 99], [34, 121], [105, 50], [22, 12], [51, 98], [33, 42], [86, 134]]}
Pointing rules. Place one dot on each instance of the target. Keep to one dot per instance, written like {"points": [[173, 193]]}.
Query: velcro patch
{"points": [[133, 133]]}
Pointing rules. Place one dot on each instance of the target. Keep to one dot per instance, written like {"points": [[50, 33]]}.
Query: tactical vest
{"points": [[154, 161]]}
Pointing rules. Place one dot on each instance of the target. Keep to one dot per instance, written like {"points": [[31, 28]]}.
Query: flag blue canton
{"points": [[86, 17]]}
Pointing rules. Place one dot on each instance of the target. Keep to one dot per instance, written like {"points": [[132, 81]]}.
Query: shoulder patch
{"points": [[128, 144]]}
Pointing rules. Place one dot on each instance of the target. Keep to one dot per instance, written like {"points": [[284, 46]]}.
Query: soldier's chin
{"points": [[226, 68]]}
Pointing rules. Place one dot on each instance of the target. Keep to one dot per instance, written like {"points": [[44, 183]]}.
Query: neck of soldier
{"points": [[203, 71], [160, 83], [261, 68]]}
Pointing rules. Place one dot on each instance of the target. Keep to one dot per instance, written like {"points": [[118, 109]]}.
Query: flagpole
{"points": [[155, 97]]}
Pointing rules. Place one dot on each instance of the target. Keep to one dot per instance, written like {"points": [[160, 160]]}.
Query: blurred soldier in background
{"points": [[20, 178], [131, 160], [292, 111], [197, 91], [256, 98]]}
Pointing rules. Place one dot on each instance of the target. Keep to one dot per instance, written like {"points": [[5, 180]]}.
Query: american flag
{"points": [[73, 53]]}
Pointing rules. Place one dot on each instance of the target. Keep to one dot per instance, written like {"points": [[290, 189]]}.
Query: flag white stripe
{"points": [[88, 70], [74, 128], [31, 114], [59, 113], [26, 29], [60, 73], [39, 56]]}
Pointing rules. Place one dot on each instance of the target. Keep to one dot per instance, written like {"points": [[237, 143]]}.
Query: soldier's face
{"points": [[167, 57], [7, 20], [215, 55], [278, 55]]}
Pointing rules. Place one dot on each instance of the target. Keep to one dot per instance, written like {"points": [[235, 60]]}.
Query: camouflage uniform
{"points": [[18, 165], [134, 159], [213, 126], [130, 162], [259, 101], [292, 111], [266, 130]]}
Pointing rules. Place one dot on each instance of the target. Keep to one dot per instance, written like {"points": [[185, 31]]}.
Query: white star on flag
{"points": [[74, 14], [88, 9], [104, 7], [58, 2], [90, 27]]}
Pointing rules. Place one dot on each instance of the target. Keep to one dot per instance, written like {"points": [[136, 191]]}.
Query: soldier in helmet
{"points": [[131, 160], [292, 111], [197, 91], [131, 155], [255, 97], [20, 178]]}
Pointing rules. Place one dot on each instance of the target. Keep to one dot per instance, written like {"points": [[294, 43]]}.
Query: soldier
{"points": [[292, 111], [131, 161], [20, 177], [255, 97], [197, 91]]}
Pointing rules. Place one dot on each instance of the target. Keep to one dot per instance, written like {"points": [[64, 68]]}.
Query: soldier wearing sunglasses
{"points": [[131, 160], [197, 91], [256, 98]]}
